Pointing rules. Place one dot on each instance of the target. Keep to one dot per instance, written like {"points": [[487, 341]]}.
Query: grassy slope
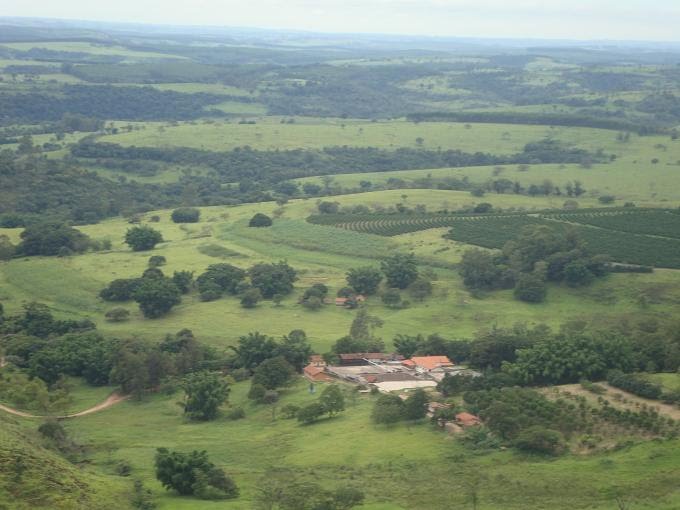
{"points": [[321, 254], [399, 468], [49, 481]]}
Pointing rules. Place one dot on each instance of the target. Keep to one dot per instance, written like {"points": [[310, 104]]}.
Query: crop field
{"points": [[619, 233]]}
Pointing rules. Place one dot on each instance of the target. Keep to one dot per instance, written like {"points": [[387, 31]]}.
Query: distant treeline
{"points": [[551, 119], [105, 102], [272, 166]]}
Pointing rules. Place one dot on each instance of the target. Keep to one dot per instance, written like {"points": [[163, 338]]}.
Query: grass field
{"points": [[321, 254], [401, 467], [85, 47]]}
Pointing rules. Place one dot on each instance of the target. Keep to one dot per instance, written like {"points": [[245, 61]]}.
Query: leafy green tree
{"points": [[253, 348], [407, 345], [539, 439], [117, 315], [391, 298], [193, 474], [295, 349], [157, 261], [250, 298], [481, 270], [121, 289], [7, 249], [142, 238], [310, 413], [224, 276], [51, 239], [531, 288], [364, 280], [257, 392], [363, 326], [184, 280], [577, 273], [186, 215], [415, 406], [273, 279], [156, 296], [400, 270], [388, 409], [420, 289], [204, 392], [312, 303], [347, 344], [273, 373], [260, 220], [332, 400]]}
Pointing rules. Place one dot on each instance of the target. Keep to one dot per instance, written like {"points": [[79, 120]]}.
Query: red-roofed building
{"points": [[467, 420], [316, 374], [424, 364]]}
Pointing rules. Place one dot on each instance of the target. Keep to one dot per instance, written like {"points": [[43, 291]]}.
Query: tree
{"points": [[204, 392], [310, 413], [328, 207], [415, 406], [117, 315], [480, 270], [273, 373], [142, 238], [391, 298], [250, 298], [363, 325], [253, 348], [407, 345], [364, 280], [576, 273], [51, 239], [539, 439], [156, 261], [312, 303], [311, 189], [260, 220], [273, 278], [295, 349], [185, 215], [184, 280], [388, 409], [400, 270], [121, 289], [530, 288], [332, 400], [193, 474], [420, 288], [156, 296], [224, 277], [257, 392]]}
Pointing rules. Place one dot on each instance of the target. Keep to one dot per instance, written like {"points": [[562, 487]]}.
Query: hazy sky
{"points": [[568, 19]]}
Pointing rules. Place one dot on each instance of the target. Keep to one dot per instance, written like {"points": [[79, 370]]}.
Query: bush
{"points": [[117, 315], [290, 411], [313, 303], [310, 413], [538, 439], [121, 289], [236, 413], [260, 220], [364, 280], [157, 261], [391, 298], [185, 215], [634, 384], [250, 298], [530, 288], [210, 292], [142, 238]]}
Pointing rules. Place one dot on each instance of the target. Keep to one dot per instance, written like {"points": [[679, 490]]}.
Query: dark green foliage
{"points": [[185, 215], [400, 270], [364, 280], [388, 409], [250, 298], [183, 280], [193, 474], [51, 239], [157, 261], [310, 413], [142, 238], [117, 315], [220, 277], [481, 269], [257, 392], [260, 220], [531, 288], [391, 298], [237, 413], [537, 439], [273, 278], [273, 373], [415, 406], [156, 296], [295, 349], [420, 288], [122, 289], [142, 498], [332, 400], [204, 392], [312, 303], [634, 384]]}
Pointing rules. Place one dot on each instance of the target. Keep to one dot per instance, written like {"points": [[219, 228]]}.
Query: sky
{"points": [[651, 20]]}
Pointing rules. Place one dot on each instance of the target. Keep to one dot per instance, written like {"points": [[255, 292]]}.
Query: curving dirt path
{"points": [[112, 400]]}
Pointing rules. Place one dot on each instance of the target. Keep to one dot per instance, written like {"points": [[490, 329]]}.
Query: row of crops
{"points": [[620, 233], [657, 222]]}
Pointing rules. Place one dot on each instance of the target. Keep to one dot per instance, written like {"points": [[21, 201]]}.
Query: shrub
{"points": [[117, 315], [185, 215], [634, 384], [236, 413], [157, 261], [391, 298], [539, 439], [530, 288], [260, 220], [310, 413], [142, 238], [290, 411], [250, 298]]}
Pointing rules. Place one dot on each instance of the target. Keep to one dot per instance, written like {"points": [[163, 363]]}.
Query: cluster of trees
{"points": [[330, 402], [634, 384], [49, 239], [389, 408], [186, 215], [48, 349], [192, 474], [539, 254]]}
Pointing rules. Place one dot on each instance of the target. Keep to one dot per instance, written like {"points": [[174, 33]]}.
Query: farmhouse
{"points": [[316, 374], [429, 364]]}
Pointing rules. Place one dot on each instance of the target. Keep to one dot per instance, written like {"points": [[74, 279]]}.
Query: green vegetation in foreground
{"points": [[414, 467]]}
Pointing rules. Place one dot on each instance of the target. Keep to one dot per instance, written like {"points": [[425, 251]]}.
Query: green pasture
{"points": [[269, 134], [320, 254], [208, 88], [400, 467], [91, 48]]}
